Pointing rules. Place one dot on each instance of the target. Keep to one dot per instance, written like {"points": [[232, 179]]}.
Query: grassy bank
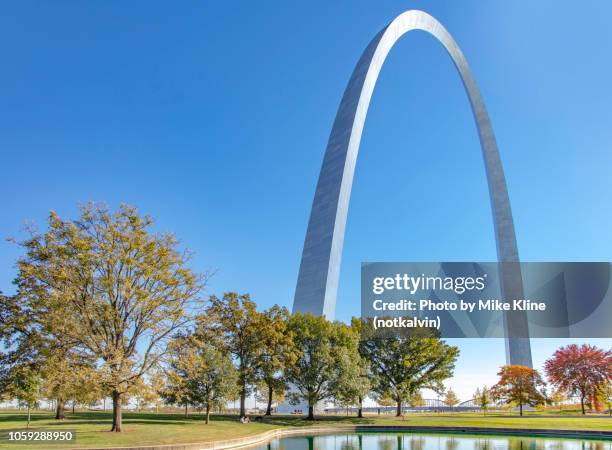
{"points": [[151, 428]]}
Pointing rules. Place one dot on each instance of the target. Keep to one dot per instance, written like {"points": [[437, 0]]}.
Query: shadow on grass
{"points": [[301, 421], [104, 419], [22, 417], [101, 418], [147, 418]]}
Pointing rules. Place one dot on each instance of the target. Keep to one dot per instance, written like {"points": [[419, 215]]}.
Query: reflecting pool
{"points": [[412, 441]]}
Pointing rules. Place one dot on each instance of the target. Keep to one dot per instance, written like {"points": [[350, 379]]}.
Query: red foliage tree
{"points": [[580, 370]]}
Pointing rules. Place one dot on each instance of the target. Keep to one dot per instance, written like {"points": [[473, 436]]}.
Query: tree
{"points": [[214, 380], [416, 400], [262, 389], [175, 389], [407, 363], [34, 336], [605, 394], [450, 398], [22, 349], [383, 400], [557, 398], [579, 370], [157, 383], [353, 383], [68, 375], [110, 286], [87, 388], [208, 376], [143, 394], [20, 354], [519, 384], [276, 352], [237, 326], [482, 398], [33, 339], [316, 372], [25, 387]]}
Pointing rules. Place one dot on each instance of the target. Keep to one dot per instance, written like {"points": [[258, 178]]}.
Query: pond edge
{"points": [[266, 436]]}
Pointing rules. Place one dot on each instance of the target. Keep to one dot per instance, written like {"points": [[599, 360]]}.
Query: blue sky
{"points": [[213, 118]]}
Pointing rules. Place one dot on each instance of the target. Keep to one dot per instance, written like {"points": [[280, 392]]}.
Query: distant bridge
{"points": [[428, 405]]}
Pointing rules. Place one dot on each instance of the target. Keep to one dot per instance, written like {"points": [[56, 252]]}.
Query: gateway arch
{"points": [[317, 283]]}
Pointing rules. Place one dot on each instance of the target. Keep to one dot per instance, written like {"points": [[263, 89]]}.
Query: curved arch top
{"points": [[320, 265]]}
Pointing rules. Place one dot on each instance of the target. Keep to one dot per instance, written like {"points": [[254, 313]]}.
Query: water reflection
{"points": [[410, 441], [452, 443]]}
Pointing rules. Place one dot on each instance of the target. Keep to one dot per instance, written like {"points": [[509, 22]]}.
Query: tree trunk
{"points": [[59, 410], [73, 406], [398, 412], [360, 408], [520, 408], [243, 400], [29, 415], [582, 404], [270, 393], [117, 418], [186, 406], [311, 412], [207, 414]]}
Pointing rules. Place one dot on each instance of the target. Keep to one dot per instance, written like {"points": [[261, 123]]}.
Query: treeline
{"points": [[105, 306]]}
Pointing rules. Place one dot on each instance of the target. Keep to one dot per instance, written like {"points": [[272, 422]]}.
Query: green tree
{"points": [[384, 400], [317, 372], [416, 400], [175, 390], [207, 375], [557, 398], [25, 387], [276, 352], [407, 363], [109, 285], [262, 390], [482, 398], [521, 385], [34, 336], [353, 383], [157, 383], [20, 342], [450, 398], [143, 394], [87, 388], [68, 375], [604, 392], [215, 381], [237, 327], [29, 348]]}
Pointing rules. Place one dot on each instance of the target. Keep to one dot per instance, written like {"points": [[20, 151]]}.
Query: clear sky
{"points": [[213, 117]]}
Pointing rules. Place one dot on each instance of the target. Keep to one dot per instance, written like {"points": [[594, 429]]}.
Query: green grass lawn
{"points": [[151, 428]]}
